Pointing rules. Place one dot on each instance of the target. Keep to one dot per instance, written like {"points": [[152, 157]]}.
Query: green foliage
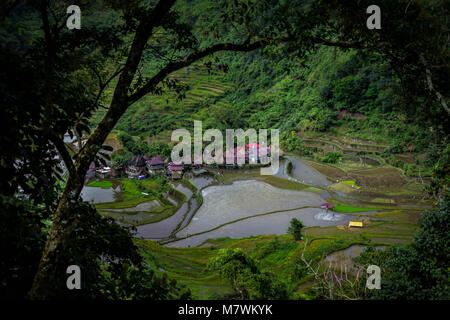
{"points": [[440, 161], [292, 143], [245, 277], [134, 146], [162, 149], [111, 266], [295, 229], [420, 271], [127, 282], [22, 238], [342, 208], [105, 184], [272, 250], [331, 157], [120, 160]]}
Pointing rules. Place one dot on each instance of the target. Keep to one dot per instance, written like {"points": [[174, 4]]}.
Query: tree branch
{"points": [[341, 44], [119, 101], [61, 148], [174, 66], [439, 96]]}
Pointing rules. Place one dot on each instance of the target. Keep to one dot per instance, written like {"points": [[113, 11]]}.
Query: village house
{"points": [[116, 172], [155, 165], [137, 167], [175, 171], [251, 153], [254, 153], [326, 206], [234, 155]]}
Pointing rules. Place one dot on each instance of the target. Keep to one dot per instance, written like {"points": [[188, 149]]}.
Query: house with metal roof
{"points": [[357, 224], [155, 165], [175, 171], [136, 166], [326, 206]]}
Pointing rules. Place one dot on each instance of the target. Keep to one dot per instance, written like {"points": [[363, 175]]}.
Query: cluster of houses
{"points": [[141, 165]]}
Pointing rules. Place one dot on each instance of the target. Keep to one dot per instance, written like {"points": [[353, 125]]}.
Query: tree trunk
{"points": [[50, 279]]}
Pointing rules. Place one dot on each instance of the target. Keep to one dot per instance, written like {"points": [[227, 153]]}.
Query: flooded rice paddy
{"points": [[242, 209], [201, 181], [343, 259], [99, 195], [164, 228], [275, 223], [226, 203], [302, 172]]}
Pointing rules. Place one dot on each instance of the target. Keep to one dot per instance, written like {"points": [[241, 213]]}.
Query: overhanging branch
{"points": [[119, 104], [341, 44], [439, 96], [61, 148], [174, 66]]}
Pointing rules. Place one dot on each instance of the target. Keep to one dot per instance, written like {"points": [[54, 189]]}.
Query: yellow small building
{"points": [[358, 224]]}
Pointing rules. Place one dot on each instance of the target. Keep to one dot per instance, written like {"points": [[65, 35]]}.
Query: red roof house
{"points": [[327, 206]]}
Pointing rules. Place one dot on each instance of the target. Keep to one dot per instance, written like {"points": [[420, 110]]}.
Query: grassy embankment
{"points": [[278, 254], [136, 192], [104, 184], [377, 182]]}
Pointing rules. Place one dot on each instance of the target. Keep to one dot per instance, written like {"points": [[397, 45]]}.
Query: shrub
{"points": [[295, 229]]}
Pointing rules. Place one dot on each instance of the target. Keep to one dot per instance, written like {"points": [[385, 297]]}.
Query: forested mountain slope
{"points": [[339, 93], [342, 92]]}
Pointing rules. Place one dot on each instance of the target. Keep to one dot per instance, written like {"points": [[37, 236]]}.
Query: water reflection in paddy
{"points": [[180, 187], [100, 195], [303, 173], [223, 204], [142, 207], [276, 223], [201, 181], [164, 228]]}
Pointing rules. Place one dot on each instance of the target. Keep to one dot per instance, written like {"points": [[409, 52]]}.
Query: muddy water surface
{"points": [[302, 172], [100, 195], [164, 228], [276, 223], [225, 203]]}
